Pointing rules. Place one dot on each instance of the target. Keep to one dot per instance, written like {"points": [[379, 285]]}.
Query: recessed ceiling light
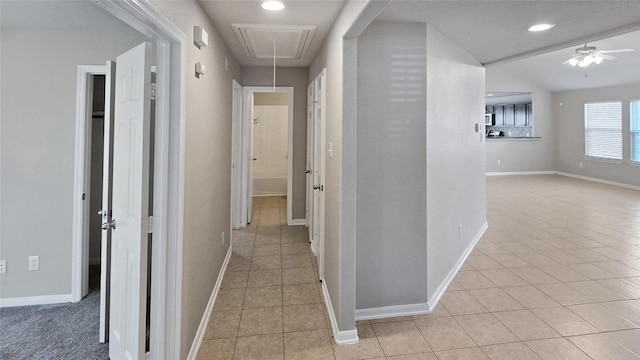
{"points": [[273, 5], [541, 27]]}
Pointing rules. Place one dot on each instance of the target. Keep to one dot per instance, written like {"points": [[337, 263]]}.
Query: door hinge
{"points": [[153, 91], [149, 224]]}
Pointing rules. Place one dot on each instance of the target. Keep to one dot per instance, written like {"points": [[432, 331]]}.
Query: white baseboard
{"points": [[341, 337], [36, 300], [437, 295], [510, 173], [613, 183], [197, 341], [298, 222], [393, 311]]}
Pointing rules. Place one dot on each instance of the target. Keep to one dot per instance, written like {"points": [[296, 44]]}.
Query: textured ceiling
{"points": [[321, 14]]}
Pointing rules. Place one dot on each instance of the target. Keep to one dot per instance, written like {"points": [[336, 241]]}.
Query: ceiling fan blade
{"points": [[615, 51], [608, 57]]}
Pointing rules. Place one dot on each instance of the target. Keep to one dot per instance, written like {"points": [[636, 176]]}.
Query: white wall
{"points": [[569, 126], [207, 178], [391, 247], [270, 148], [456, 197], [37, 150], [522, 155]]}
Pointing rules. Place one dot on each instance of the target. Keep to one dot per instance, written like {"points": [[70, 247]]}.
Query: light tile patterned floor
{"points": [[556, 276]]}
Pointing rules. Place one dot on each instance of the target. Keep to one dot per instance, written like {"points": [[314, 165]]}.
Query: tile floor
{"points": [[556, 276]]}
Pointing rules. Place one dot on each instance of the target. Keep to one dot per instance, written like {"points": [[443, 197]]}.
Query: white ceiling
{"points": [[321, 14]]}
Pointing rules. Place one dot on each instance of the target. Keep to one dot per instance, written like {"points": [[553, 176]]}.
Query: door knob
{"points": [[318, 187], [254, 159], [109, 225], [308, 172]]}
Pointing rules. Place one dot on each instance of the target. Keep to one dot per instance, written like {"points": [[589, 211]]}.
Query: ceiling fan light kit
{"points": [[588, 55]]}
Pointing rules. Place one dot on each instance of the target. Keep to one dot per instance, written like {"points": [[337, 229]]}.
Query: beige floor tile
{"points": [[238, 263], [266, 262], [473, 280], [301, 294], [563, 273], [439, 311], [260, 347], [509, 261], [622, 286], [308, 345], [244, 251], [264, 278], [588, 255], [454, 286], [601, 317], [235, 280], [400, 338], [495, 299], [564, 321], [534, 275], [461, 303], [267, 250], [556, 349], [298, 276], [267, 239], [481, 262], [260, 321], [423, 356], [443, 333], [564, 294], [601, 347], [217, 349], [525, 325], [228, 299], [268, 230], [530, 297], [488, 248], [260, 297], [223, 324], [628, 309], [596, 291], [367, 347], [291, 249], [629, 338], [485, 329], [304, 317], [512, 351], [503, 277], [591, 271], [296, 261], [474, 353]]}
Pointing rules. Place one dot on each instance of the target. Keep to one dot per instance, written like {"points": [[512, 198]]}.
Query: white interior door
{"points": [[130, 222], [309, 168], [107, 184], [318, 169], [236, 161], [251, 158]]}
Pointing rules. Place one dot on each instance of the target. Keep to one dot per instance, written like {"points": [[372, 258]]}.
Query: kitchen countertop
{"points": [[513, 138]]}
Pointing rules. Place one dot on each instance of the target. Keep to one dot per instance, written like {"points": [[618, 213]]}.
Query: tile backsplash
{"points": [[516, 131]]}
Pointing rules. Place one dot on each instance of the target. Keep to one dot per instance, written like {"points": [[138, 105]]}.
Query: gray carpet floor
{"points": [[60, 331]]}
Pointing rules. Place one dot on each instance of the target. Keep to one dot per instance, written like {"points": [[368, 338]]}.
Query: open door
{"points": [[318, 170], [251, 159], [309, 168], [130, 222], [107, 185]]}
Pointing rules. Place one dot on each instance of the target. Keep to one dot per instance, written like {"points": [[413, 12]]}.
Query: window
{"points": [[635, 130], [603, 130]]}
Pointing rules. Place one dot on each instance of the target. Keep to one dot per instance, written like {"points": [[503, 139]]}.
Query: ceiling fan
{"points": [[587, 55]]}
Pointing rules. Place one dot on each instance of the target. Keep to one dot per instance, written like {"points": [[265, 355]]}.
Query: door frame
{"points": [[166, 294], [244, 143], [236, 155]]}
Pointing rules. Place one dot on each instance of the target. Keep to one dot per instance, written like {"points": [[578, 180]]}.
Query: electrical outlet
{"points": [[499, 162], [222, 239], [3, 266], [34, 263], [580, 164]]}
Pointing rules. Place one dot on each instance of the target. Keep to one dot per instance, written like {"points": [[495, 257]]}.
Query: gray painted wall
{"points": [[569, 125], [391, 247], [522, 155], [298, 78], [37, 150], [455, 157], [207, 181]]}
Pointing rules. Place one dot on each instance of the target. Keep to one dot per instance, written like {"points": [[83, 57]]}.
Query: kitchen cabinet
{"points": [[521, 115], [509, 115], [529, 114], [499, 112]]}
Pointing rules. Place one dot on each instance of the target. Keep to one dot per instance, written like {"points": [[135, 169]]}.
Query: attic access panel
{"points": [[292, 41]]}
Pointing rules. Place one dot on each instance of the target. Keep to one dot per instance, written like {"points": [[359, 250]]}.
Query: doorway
{"points": [[265, 144]]}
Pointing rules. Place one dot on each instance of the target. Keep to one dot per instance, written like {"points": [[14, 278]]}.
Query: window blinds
{"points": [[603, 130], [635, 130]]}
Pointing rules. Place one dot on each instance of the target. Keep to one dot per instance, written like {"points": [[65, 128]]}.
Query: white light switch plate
{"points": [[330, 150]]}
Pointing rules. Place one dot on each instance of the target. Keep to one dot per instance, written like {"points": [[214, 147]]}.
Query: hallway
{"points": [[556, 276]]}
